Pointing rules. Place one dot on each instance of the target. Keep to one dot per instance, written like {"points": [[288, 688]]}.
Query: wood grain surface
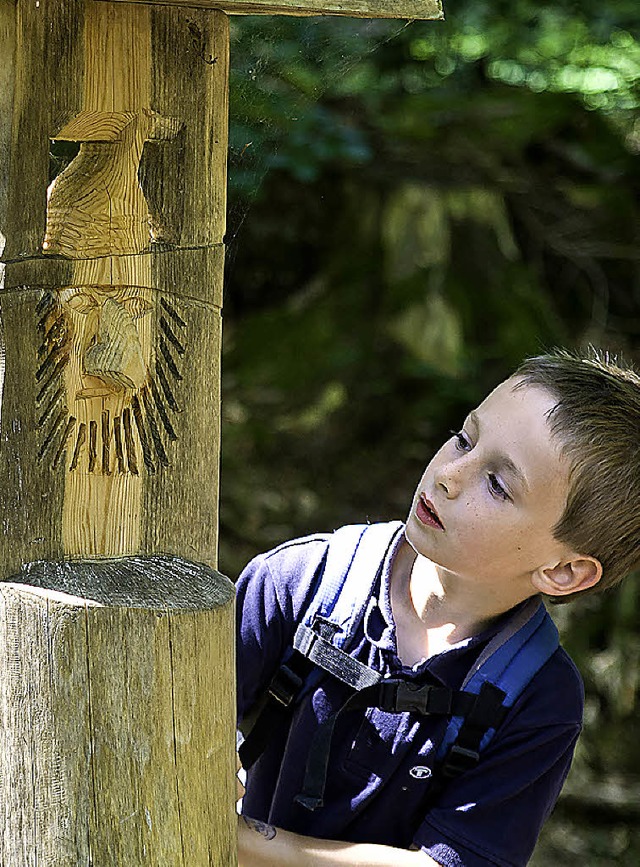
{"points": [[110, 698], [114, 283], [418, 9]]}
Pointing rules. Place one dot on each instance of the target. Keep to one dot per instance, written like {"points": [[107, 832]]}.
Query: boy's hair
{"points": [[597, 420]]}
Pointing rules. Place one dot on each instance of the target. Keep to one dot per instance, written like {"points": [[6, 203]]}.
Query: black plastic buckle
{"points": [[412, 697], [285, 685], [460, 760], [398, 696], [324, 628], [388, 695]]}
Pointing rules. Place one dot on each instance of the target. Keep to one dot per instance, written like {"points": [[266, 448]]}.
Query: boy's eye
{"points": [[496, 488], [463, 443]]}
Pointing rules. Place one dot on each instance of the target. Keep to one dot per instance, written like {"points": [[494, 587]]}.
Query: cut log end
{"points": [[155, 582]]}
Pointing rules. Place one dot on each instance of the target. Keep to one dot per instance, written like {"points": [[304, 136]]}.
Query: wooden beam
{"points": [[407, 9]]}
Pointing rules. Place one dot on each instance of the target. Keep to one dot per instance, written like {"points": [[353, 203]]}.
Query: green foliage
{"points": [[414, 208], [406, 222], [282, 69]]}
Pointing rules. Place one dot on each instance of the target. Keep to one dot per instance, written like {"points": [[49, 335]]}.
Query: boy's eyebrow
{"points": [[505, 461]]}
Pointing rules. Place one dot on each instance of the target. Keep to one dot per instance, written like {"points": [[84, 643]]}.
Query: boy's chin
{"points": [[415, 536]]}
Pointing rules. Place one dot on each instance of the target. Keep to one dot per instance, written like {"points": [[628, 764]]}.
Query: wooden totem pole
{"points": [[117, 719]]}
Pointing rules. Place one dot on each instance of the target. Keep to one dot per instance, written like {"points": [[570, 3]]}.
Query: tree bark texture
{"points": [[116, 719], [113, 283]]}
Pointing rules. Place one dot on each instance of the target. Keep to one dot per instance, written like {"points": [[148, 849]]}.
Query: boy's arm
{"points": [[261, 845]]}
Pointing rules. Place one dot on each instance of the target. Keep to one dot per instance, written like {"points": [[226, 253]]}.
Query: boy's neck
{"points": [[434, 610]]}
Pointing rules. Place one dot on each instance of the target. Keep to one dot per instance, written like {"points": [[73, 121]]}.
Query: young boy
{"points": [[537, 494]]}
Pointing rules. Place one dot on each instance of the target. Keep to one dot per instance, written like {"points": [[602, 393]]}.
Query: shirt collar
{"points": [[380, 628]]}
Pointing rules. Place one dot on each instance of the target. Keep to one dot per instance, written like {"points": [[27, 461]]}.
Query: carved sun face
{"points": [[108, 339], [107, 383]]}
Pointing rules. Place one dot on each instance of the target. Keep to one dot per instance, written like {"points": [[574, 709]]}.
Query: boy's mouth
{"points": [[426, 513]]}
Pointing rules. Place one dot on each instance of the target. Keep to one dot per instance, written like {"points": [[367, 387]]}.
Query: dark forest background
{"points": [[414, 207]]}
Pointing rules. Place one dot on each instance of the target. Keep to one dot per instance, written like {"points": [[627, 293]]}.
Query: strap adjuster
{"points": [[459, 760], [324, 627], [400, 696], [285, 686]]}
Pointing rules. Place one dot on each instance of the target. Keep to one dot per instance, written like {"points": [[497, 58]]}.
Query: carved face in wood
{"points": [[109, 368], [110, 353], [108, 340]]}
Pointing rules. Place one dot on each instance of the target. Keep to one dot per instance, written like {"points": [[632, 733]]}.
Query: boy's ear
{"points": [[569, 576]]}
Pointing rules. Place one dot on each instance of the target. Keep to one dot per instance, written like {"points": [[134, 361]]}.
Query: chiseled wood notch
{"points": [[96, 206]]}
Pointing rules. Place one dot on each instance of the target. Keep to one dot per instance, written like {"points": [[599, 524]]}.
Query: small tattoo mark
{"points": [[267, 831]]}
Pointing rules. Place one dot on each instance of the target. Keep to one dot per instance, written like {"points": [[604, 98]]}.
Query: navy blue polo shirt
{"points": [[379, 769]]}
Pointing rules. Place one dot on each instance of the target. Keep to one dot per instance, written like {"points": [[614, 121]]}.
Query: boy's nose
{"points": [[448, 479]]}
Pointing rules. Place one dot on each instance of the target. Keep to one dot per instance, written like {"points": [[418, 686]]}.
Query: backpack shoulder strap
{"points": [[348, 576], [353, 565], [499, 676], [355, 554]]}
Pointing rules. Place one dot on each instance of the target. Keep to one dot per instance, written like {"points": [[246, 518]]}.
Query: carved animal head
{"points": [[96, 206]]}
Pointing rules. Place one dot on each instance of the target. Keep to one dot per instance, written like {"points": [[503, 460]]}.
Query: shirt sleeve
{"points": [[492, 815], [271, 594]]}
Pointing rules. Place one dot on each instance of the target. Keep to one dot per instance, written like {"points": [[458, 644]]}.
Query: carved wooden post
{"points": [[116, 633]]}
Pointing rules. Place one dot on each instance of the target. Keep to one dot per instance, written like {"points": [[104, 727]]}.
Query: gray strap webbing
{"points": [[332, 659]]}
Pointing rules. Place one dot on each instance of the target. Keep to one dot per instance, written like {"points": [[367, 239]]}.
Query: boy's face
{"points": [[497, 487]]}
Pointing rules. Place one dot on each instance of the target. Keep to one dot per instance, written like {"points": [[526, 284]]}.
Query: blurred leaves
{"points": [[408, 218], [414, 208]]}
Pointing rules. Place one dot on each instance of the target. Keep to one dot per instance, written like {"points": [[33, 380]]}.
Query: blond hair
{"points": [[597, 420]]}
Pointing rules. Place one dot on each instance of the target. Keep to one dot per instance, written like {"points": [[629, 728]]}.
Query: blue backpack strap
{"points": [[353, 566], [348, 576], [500, 674], [343, 586]]}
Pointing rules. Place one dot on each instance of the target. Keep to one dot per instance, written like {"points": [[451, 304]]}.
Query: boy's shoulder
{"points": [[311, 570], [347, 536], [301, 547], [309, 553], [555, 694]]}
